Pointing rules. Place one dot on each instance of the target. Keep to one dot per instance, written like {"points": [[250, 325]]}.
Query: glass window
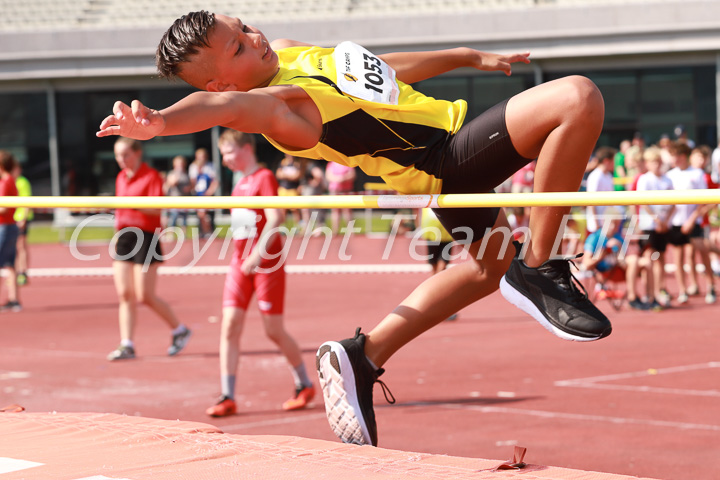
{"points": [[24, 132], [489, 90], [619, 89], [666, 97]]}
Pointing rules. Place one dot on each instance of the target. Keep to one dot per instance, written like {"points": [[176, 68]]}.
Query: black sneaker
{"points": [[655, 306], [555, 298], [347, 378], [11, 306], [179, 340], [638, 304]]}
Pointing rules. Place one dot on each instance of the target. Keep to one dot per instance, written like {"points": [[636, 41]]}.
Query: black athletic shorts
{"points": [[477, 159], [437, 251], [135, 245], [677, 237], [656, 240]]}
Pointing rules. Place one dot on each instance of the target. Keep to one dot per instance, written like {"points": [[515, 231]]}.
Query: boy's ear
{"points": [[218, 86]]}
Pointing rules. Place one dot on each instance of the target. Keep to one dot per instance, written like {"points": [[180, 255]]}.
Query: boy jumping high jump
{"points": [[347, 105]]}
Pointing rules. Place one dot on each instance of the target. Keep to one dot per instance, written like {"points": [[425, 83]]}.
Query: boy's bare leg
{"points": [[443, 294], [122, 275], [275, 331], [346, 375], [631, 276], [558, 123], [679, 259], [145, 287]]}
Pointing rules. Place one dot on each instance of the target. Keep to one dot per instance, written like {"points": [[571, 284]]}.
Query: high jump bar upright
{"points": [[537, 199]]}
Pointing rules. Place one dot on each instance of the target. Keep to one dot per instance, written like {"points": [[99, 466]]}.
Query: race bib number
{"points": [[243, 223], [363, 75]]}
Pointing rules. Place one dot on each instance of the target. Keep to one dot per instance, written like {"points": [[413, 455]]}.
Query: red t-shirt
{"points": [[145, 183], [247, 223], [8, 189]]}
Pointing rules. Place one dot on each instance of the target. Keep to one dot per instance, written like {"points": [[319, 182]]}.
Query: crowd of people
{"points": [[689, 233], [295, 176]]}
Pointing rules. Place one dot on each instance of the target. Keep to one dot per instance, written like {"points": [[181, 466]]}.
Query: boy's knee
{"points": [[584, 94]]}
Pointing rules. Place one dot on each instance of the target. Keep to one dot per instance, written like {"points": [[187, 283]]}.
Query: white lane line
{"points": [[9, 465], [600, 382], [223, 269], [587, 418], [8, 375]]}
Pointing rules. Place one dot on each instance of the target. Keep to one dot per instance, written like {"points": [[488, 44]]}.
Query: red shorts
{"points": [[269, 288]]}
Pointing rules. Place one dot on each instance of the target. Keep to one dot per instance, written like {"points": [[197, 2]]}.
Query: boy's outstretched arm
{"points": [[412, 67], [259, 111]]}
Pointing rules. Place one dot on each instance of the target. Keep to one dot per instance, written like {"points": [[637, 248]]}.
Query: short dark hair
{"points": [[134, 145], [182, 40], [240, 138], [605, 152], [680, 148], [7, 161]]}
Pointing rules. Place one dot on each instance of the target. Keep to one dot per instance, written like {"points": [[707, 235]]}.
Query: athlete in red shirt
{"points": [[257, 267], [137, 251], [8, 230]]}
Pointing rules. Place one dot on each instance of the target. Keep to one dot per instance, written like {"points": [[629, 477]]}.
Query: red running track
{"points": [[643, 402]]}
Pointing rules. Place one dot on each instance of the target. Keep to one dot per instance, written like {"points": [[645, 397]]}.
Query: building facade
{"points": [[655, 61]]}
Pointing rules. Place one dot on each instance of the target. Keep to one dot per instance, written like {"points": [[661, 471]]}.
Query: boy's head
{"points": [[606, 158], [7, 161], [202, 156], [653, 160], [699, 157], [237, 150], [216, 53], [179, 162], [128, 153], [681, 154]]}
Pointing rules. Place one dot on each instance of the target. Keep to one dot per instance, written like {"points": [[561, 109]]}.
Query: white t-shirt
{"points": [[597, 181], [688, 179], [715, 165], [648, 181]]}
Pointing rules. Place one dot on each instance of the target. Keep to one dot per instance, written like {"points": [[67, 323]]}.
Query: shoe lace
{"points": [[389, 397], [559, 272], [385, 388]]}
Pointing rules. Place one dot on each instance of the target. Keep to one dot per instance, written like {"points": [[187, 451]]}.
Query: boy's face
{"points": [[681, 160], [654, 166], [126, 157], [239, 58], [608, 164], [697, 160], [235, 157]]}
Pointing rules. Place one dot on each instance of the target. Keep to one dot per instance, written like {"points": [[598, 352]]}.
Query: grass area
{"points": [[45, 232]]}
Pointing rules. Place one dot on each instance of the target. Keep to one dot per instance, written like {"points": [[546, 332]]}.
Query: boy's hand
{"points": [[251, 264], [138, 122], [492, 62], [687, 227]]}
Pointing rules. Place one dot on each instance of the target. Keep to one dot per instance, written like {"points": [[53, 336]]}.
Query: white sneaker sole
{"points": [[527, 306], [341, 401]]}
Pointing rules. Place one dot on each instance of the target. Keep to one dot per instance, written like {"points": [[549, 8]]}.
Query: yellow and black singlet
{"points": [[371, 119]]}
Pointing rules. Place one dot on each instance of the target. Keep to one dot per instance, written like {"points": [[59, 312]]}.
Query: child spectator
{"points": [[256, 269]]}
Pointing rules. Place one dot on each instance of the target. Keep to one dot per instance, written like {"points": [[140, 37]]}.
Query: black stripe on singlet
{"points": [[406, 144]]}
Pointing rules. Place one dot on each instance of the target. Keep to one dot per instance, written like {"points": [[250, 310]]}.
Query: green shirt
{"points": [[24, 190]]}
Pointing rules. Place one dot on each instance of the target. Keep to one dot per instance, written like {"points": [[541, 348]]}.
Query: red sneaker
{"points": [[301, 399], [225, 407]]}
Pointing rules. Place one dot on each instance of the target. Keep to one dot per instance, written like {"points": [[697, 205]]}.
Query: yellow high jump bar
{"points": [[538, 199]]}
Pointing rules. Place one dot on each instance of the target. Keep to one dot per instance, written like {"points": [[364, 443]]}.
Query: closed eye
{"points": [[239, 48]]}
